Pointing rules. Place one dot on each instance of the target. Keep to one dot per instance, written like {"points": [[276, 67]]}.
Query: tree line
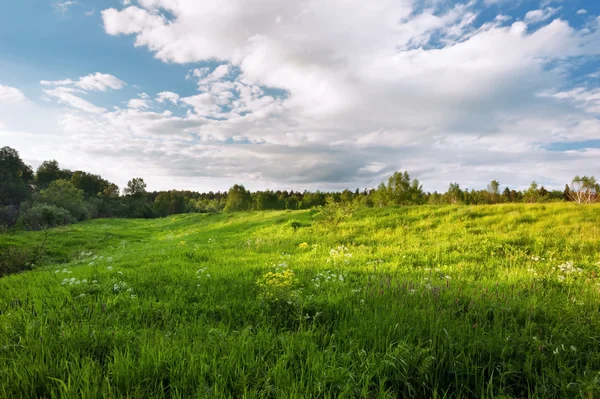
{"points": [[51, 196]]}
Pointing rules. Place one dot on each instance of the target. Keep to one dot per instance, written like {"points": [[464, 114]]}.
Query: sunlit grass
{"points": [[451, 301]]}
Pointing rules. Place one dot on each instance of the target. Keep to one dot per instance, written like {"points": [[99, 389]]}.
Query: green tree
{"points": [[15, 178], [92, 185], [136, 187], [48, 172], [454, 194], [170, 203], [494, 191], [63, 194], [532, 193], [584, 189], [238, 199], [403, 191]]}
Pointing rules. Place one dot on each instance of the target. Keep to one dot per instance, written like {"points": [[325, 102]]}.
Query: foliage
{"points": [[402, 191], [238, 199], [63, 194], [584, 189], [333, 213], [91, 185], [41, 216], [48, 172], [136, 187], [169, 203], [15, 178]]}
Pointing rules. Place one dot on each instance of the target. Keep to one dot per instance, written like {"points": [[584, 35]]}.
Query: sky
{"points": [[312, 94]]}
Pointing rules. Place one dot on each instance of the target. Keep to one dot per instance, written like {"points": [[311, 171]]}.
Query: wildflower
{"points": [[303, 245], [84, 281]]}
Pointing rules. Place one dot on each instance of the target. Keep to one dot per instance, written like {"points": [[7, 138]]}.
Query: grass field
{"points": [[451, 301]]}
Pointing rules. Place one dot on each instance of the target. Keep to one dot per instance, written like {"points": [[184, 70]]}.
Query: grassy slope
{"points": [[434, 302]]}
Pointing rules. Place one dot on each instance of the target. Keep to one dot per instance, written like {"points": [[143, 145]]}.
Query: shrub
{"points": [[334, 213], [41, 216], [8, 215], [16, 260]]}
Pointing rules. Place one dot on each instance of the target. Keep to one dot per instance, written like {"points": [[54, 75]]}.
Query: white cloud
{"points": [[63, 6], [11, 95], [587, 99], [582, 11], [65, 96], [138, 103], [326, 94], [94, 82], [536, 16], [100, 82], [167, 96]]}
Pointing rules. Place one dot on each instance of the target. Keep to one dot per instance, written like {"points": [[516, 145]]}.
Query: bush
{"points": [[41, 216], [334, 213], [8, 215], [16, 260]]}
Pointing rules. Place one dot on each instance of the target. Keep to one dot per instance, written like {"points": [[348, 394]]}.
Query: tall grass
{"points": [[475, 302]]}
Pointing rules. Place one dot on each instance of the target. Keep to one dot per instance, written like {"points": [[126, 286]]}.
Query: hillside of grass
{"points": [[432, 301]]}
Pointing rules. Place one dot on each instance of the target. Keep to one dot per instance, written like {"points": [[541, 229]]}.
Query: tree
{"points": [[63, 194], [48, 172], [494, 190], [238, 199], [506, 194], [135, 187], [92, 185], [531, 194], [170, 203], [455, 194], [403, 191], [584, 189], [15, 178], [567, 193]]}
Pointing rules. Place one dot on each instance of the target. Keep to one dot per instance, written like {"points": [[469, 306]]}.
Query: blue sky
{"points": [[318, 94]]}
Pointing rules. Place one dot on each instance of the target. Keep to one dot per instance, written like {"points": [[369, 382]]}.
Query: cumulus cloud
{"points": [[138, 103], [11, 95], [323, 94], [167, 96]]}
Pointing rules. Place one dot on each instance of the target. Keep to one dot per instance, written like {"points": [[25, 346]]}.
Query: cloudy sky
{"points": [[315, 94]]}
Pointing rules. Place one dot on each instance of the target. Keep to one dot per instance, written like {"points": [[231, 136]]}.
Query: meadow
{"points": [[494, 301]]}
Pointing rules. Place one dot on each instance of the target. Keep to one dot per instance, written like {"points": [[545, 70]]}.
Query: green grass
{"points": [[436, 302]]}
